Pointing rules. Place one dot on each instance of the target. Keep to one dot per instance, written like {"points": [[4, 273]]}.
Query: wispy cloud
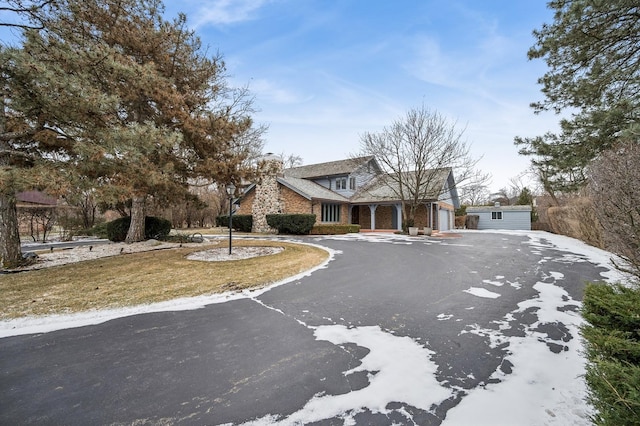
{"points": [[225, 12], [272, 92]]}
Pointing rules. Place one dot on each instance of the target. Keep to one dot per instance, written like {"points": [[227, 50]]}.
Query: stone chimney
{"points": [[267, 199]]}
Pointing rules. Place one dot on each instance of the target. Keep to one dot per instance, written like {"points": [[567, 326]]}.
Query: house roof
{"points": [[311, 190], [36, 198], [332, 168], [386, 188]]}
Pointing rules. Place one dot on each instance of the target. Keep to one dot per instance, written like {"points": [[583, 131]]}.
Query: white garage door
{"points": [[443, 220]]}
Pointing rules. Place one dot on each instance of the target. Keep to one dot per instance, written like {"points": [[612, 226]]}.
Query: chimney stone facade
{"points": [[267, 194]]}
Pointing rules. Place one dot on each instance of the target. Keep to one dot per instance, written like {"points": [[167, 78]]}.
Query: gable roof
{"points": [[332, 168], [385, 188], [311, 190], [306, 188]]}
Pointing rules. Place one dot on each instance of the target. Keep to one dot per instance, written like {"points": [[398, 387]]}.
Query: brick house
{"points": [[351, 191]]}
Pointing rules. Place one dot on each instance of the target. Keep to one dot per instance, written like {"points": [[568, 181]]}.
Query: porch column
{"points": [[372, 209], [399, 216]]}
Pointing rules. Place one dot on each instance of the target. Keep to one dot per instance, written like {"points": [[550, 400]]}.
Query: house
{"points": [[502, 217], [36, 211], [351, 191]]}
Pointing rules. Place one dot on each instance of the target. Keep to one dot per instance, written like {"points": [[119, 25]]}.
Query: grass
{"points": [[146, 277]]}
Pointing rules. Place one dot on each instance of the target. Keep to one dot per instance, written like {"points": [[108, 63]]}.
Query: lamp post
{"points": [[231, 190]]}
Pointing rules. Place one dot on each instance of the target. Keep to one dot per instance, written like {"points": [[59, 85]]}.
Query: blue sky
{"points": [[324, 72]]}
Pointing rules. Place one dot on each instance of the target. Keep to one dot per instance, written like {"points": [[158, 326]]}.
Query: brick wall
{"points": [[294, 203], [246, 204], [384, 217]]}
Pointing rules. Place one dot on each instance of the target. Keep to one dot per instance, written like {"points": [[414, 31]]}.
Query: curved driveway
{"points": [[393, 331]]}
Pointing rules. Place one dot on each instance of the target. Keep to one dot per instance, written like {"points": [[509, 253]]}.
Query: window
{"points": [[330, 212], [352, 183], [341, 183], [496, 215]]}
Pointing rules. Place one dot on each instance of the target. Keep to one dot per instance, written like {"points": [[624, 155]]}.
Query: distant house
{"points": [[351, 191], [502, 217], [35, 210]]}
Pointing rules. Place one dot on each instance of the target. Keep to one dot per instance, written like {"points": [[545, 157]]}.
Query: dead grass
{"points": [[146, 277]]}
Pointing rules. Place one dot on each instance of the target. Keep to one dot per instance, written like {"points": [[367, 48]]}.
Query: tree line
{"points": [[109, 98]]}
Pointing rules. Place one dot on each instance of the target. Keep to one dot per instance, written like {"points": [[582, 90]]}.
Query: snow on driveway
{"points": [[541, 377]]}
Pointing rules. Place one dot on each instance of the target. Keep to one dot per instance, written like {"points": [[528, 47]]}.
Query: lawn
{"points": [[147, 277]]}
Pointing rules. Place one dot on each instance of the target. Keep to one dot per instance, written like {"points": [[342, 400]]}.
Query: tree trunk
{"points": [[136, 229], [10, 250]]}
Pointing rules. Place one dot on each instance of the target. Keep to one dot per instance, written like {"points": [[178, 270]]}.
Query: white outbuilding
{"points": [[502, 217]]}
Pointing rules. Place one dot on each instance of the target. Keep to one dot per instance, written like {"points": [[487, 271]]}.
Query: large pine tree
{"points": [[113, 92], [592, 49]]}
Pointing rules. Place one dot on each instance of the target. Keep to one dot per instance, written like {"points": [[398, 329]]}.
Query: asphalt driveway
{"points": [[393, 331]]}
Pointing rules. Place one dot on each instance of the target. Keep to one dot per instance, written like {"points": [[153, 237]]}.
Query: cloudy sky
{"points": [[324, 72]]}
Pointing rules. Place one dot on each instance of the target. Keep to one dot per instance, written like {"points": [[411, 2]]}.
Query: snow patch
{"points": [[482, 292], [403, 370]]}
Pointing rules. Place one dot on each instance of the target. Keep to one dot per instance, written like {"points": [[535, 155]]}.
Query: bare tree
{"points": [[475, 193], [291, 160], [414, 150], [25, 14], [614, 178]]}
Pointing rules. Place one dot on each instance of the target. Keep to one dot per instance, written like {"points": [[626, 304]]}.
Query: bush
{"points": [[240, 222], [297, 224], [612, 342], [99, 230], [334, 229], [154, 227]]}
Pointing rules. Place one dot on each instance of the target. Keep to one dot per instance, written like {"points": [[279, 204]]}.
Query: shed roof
{"points": [[480, 209]]}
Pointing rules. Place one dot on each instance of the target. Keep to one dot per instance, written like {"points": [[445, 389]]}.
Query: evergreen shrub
{"points": [[297, 224], [154, 227], [99, 230], [240, 222], [612, 342]]}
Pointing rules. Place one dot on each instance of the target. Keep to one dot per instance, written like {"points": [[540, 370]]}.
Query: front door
{"points": [[355, 215]]}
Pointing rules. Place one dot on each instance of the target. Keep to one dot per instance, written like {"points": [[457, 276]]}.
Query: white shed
{"points": [[502, 217]]}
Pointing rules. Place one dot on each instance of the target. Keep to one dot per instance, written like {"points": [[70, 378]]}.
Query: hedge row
{"points": [[334, 229], [612, 341], [297, 224], [240, 222], [154, 227]]}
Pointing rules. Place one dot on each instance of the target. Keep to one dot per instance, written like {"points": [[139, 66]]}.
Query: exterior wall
{"points": [[511, 219], [246, 204], [324, 182], [384, 217], [294, 203]]}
